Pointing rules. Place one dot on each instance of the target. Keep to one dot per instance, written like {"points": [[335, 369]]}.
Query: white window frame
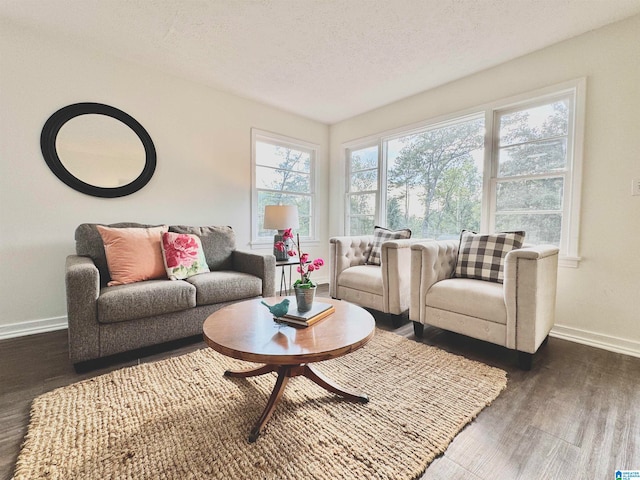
{"points": [[347, 186], [285, 142], [574, 89]]}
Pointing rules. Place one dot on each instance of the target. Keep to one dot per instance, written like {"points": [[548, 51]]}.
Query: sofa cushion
{"points": [[482, 256], [144, 299], [475, 298], [218, 244], [89, 244], [133, 254], [224, 286], [367, 278], [373, 254], [183, 255]]}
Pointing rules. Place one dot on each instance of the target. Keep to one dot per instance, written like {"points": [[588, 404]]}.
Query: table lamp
{"points": [[280, 217]]}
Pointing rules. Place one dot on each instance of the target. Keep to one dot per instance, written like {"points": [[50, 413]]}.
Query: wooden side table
{"points": [[285, 288]]}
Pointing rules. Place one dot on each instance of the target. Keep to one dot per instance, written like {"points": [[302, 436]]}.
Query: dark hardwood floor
{"points": [[575, 415]]}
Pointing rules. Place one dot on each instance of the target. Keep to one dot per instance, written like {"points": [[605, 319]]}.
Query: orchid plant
{"points": [[305, 268]]}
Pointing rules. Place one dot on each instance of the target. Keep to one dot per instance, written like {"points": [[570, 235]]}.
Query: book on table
{"points": [[318, 311]]}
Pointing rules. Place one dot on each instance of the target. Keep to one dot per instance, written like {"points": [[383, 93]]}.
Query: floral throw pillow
{"points": [[183, 255]]}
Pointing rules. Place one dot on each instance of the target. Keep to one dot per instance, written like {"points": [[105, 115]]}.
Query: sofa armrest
{"points": [[261, 265], [530, 282], [346, 252], [396, 275], [82, 282], [533, 252], [431, 261]]}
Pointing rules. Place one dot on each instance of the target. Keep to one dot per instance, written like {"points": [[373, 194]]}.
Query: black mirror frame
{"points": [[48, 146]]}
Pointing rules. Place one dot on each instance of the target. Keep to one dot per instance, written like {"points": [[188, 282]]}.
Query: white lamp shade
{"points": [[280, 217]]}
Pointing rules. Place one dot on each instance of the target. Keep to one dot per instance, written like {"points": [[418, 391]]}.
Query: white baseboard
{"points": [[32, 326], [598, 340], [584, 337]]}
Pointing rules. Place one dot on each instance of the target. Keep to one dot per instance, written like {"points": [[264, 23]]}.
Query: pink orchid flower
{"points": [[304, 268]]}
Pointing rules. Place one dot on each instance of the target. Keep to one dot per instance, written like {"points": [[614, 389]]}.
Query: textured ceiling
{"points": [[323, 59]]}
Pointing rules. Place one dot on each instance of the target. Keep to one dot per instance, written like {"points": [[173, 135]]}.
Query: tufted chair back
{"points": [[342, 258]]}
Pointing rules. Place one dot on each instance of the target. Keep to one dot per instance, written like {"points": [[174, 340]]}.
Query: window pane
{"points": [[539, 228], [283, 172], [362, 204], [434, 180], [544, 121], [532, 158], [364, 158], [363, 181], [304, 230], [280, 157], [285, 180], [361, 225], [533, 141], [543, 194], [303, 203], [271, 198]]}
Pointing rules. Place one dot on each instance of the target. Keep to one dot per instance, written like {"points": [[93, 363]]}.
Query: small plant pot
{"points": [[304, 298]]}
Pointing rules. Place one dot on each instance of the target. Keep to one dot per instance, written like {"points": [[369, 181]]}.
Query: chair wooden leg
{"points": [[525, 360], [418, 329]]}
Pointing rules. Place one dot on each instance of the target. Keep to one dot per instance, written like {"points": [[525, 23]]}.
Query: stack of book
{"points": [[318, 311]]}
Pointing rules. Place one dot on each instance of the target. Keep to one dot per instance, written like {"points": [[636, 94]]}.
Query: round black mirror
{"points": [[98, 150]]}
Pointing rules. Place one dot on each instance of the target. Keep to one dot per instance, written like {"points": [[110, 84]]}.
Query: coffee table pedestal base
{"points": [[285, 372]]}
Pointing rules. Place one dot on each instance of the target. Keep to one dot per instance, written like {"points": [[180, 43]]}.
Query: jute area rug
{"points": [[179, 418]]}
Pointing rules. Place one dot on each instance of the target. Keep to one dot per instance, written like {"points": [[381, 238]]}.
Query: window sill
{"points": [[258, 244], [569, 262]]}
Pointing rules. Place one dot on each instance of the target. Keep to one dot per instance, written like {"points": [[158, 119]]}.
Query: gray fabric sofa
{"points": [[106, 320]]}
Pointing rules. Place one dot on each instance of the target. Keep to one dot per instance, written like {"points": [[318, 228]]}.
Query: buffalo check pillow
{"points": [[373, 254], [482, 256]]}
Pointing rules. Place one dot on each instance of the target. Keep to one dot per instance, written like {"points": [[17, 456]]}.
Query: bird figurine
{"points": [[279, 309]]}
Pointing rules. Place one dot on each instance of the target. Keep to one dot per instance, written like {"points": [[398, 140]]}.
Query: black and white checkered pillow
{"points": [[482, 256], [372, 255]]}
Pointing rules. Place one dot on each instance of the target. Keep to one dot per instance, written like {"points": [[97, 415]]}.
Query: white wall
{"points": [[203, 177], [598, 303], [202, 138]]}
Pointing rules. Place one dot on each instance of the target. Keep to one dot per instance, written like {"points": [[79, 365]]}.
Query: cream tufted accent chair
{"points": [[385, 288], [517, 314]]}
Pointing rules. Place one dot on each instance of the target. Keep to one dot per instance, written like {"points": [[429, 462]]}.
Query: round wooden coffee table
{"points": [[247, 331]]}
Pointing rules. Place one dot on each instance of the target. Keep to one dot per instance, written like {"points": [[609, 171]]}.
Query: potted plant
{"points": [[304, 287]]}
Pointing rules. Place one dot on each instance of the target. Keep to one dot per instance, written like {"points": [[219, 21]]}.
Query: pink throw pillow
{"points": [[133, 254], [183, 255]]}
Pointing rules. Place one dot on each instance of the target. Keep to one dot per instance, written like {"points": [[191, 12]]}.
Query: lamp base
{"points": [[280, 255]]}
